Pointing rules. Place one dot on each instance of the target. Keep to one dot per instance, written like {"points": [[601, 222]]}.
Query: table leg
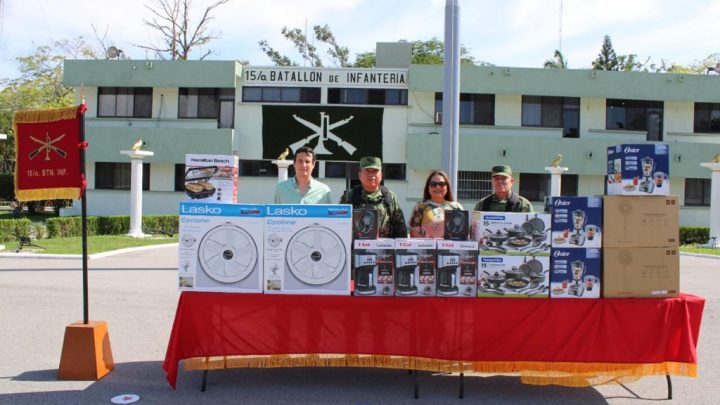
{"points": [[416, 385], [203, 387], [669, 381], [462, 386]]}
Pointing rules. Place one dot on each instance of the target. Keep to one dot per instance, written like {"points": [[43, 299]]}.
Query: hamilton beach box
{"points": [[374, 264], [642, 169], [576, 222], [456, 268], [575, 273], [307, 249], [211, 178], [220, 247], [415, 265], [511, 233]]}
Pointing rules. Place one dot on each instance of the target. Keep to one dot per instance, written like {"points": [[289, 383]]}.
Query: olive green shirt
{"points": [[501, 205], [392, 220]]}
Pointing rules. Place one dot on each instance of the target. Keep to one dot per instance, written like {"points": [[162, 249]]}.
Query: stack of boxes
{"points": [[373, 257]]}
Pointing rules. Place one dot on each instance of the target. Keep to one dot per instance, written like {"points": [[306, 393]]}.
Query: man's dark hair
{"points": [[305, 149]]}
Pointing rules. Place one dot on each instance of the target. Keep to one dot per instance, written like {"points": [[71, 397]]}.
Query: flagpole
{"points": [[83, 216]]}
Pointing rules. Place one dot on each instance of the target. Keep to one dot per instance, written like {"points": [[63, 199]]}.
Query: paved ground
{"points": [[135, 294]]}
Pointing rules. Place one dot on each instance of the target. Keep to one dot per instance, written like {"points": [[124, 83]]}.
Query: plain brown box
{"points": [[640, 221], [641, 272]]}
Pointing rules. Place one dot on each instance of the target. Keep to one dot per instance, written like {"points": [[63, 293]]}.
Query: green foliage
{"points": [[113, 225], [167, 224], [432, 52], [607, 59], [10, 229], [64, 227], [364, 60], [694, 235], [557, 62]]}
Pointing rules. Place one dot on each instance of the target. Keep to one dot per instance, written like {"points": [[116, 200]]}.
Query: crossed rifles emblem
{"points": [[323, 132], [48, 146]]}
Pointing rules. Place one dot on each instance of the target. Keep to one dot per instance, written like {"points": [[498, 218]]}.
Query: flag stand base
{"points": [[86, 353]]}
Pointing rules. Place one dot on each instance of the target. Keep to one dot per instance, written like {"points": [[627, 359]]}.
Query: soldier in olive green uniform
{"points": [[370, 194], [503, 198]]}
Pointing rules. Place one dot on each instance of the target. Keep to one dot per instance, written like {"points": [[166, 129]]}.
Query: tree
{"points": [[308, 52], [432, 52], [607, 59], [178, 34], [557, 62]]}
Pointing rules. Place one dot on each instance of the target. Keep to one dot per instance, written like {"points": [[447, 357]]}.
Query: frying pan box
{"points": [[511, 233], [211, 178], [307, 249], [513, 276], [575, 273], [638, 169], [641, 221], [220, 247], [457, 264], [576, 221], [415, 267], [374, 267], [641, 272]]}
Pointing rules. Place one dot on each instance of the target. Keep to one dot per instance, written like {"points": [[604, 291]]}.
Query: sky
{"points": [[516, 33]]}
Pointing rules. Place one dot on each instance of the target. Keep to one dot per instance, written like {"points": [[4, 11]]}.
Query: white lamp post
{"points": [[555, 179], [282, 165], [136, 176], [714, 204]]}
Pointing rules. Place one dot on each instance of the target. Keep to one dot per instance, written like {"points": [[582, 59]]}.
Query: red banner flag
{"points": [[47, 155]]}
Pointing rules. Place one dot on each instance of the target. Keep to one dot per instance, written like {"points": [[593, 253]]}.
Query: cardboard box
{"points": [[366, 223], [220, 247], [635, 221], [457, 268], [514, 276], [211, 178], [457, 224], [415, 265], [575, 273], [642, 169], [511, 233], [373, 266], [641, 272], [577, 222], [307, 249]]}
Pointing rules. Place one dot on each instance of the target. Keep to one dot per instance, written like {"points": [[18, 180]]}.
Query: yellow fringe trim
{"points": [[63, 193], [536, 373], [46, 115]]}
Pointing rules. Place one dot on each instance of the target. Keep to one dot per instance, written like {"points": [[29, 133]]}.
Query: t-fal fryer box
{"points": [[211, 178], [456, 268], [575, 273], [513, 276], [642, 169], [641, 272], [374, 265], [577, 222], [511, 233], [415, 267], [221, 247], [307, 249], [635, 221]]}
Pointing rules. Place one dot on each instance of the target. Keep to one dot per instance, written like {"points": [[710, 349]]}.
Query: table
{"points": [[572, 342]]}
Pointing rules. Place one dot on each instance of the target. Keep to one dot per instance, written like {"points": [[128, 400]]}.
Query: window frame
{"points": [[617, 110], [131, 93], [475, 108], [367, 96], [704, 187], [104, 182], [473, 185], [559, 118], [711, 124], [282, 94]]}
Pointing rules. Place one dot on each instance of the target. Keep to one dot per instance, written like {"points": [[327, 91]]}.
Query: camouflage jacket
{"points": [[392, 220], [501, 205]]}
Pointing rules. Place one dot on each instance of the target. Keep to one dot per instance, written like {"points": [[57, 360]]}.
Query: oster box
{"points": [[374, 267], [576, 222], [638, 169], [575, 273], [457, 268]]}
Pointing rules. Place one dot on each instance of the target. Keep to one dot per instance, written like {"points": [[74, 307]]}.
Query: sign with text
{"points": [[294, 76]]}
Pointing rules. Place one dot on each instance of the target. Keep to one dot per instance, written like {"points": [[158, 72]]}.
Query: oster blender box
{"points": [[374, 267], [415, 265], [638, 169], [575, 273], [576, 221]]}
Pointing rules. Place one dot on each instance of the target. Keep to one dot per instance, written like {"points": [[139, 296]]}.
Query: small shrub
{"points": [[10, 229], [690, 235]]}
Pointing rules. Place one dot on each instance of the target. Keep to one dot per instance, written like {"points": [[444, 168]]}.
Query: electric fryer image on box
{"points": [[407, 263], [365, 263], [448, 264], [315, 255], [197, 184], [227, 253]]}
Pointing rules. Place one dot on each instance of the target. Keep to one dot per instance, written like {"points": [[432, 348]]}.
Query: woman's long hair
{"points": [[448, 193]]}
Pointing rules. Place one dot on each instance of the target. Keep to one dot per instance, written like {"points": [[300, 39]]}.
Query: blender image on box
{"points": [[575, 273]]}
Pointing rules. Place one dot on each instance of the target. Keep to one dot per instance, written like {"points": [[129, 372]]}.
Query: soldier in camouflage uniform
{"points": [[370, 194], [503, 198]]}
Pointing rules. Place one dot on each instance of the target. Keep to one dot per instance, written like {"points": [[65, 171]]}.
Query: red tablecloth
{"points": [[495, 330]]}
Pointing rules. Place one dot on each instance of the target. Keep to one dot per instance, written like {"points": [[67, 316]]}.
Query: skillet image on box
{"points": [[227, 253], [197, 184], [315, 255]]}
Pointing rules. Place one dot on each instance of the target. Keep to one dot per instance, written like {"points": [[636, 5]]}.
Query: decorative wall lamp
{"points": [[588, 155]]}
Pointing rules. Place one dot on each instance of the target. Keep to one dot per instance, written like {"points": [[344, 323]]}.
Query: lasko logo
{"points": [[287, 211], [629, 149], [560, 253], [202, 209], [492, 260], [561, 203]]}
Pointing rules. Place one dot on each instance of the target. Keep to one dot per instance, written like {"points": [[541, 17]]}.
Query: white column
{"points": [[714, 204], [136, 176], [282, 168], [555, 181], [2, 137]]}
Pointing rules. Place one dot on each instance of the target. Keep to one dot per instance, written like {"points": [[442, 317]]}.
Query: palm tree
{"points": [[557, 62]]}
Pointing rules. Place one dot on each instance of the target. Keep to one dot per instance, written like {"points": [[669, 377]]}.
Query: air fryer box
{"points": [[575, 273], [374, 264], [457, 224], [415, 265], [512, 233], [576, 222], [456, 268], [307, 249], [513, 276], [634, 221], [642, 169], [211, 178], [220, 247], [641, 272], [365, 223]]}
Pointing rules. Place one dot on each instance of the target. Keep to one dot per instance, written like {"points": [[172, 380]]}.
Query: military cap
{"points": [[370, 162], [502, 170]]}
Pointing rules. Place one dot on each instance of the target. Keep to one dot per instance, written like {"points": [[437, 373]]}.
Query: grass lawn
{"points": [[702, 250], [96, 244]]}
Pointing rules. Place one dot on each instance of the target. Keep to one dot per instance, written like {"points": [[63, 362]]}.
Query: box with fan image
{"points": [[641, 272], [576, 221], [415, 265], [374, 267], [456, 268], [575, 273], [642, 169], [636, 221], [511, 233], [307, 249], [513, 276], [220, 247]]}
